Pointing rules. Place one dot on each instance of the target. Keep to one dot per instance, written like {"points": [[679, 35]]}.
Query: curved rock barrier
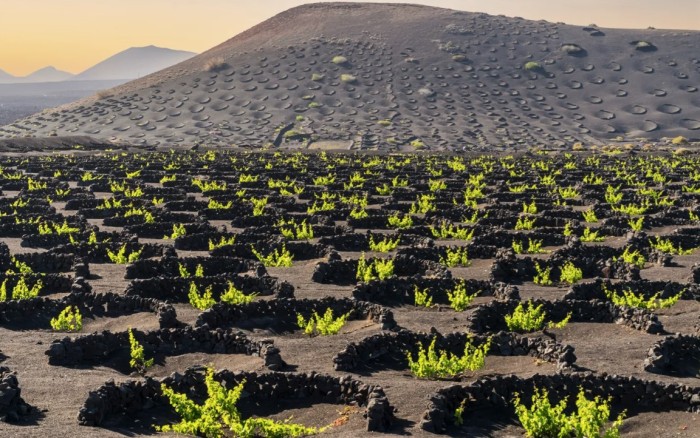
{"points": [[496, 393], [51, 283], [343, 272], [97, 252], [298, 250], [594, 290], [170, 267], [283, 312], [675, 355], [322, 226], [32, 240], [97, 348], [135, 221], [41, 308], [47, 262], [349, 241], [489, 318], [395, 291], [112, 305], [176, 289], [136, 396], [188, 204], [593, 261], [436, 253], [200, 241], [115, 305], [500, 238], [157, 230], [16, 230], [385, 347]]}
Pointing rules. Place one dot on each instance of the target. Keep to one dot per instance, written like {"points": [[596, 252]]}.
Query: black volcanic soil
{"points": [[58, 392]]}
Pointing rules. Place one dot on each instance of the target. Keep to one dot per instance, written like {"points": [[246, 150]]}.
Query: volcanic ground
{"points": [[188, 224]]}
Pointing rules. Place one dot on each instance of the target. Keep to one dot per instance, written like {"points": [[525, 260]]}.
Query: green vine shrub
{"points": [[459, 298], [432, 364], [422, 298], [69, 320], [279, 258], [630, 299], [219, 417], [531, 318], [20, 291], [542, 420], [121, 257], [377, 269], [322, 325], [138, 359], [201, 301]]}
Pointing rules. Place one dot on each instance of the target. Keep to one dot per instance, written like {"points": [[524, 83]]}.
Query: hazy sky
{"points": [[75, 34]]}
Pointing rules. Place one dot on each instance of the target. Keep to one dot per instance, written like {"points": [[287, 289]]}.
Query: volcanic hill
{"points": [[403, 77]]}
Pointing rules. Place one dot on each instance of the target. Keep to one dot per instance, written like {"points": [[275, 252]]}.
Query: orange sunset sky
{"points": [[72, 35]]}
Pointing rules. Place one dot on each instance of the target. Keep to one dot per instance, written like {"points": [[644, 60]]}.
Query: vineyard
{"points": [[286, 294]]}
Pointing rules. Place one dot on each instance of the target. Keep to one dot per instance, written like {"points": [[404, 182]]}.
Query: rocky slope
{"points": [[401, 77]]}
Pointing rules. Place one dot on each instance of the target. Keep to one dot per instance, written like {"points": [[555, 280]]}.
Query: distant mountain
{"points": [[6, 78], [46, 74], [134, 63], [130, 64]]}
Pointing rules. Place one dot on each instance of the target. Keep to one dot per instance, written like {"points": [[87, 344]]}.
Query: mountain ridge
{"points": [[164, 57], [133, 63], [45, 74]]}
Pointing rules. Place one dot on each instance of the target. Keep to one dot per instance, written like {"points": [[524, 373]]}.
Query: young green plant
{"points": [[121, 257], [138, 359], [570, 274], [384, 245], [589, 419], [543, 275], [455, 257], [630, 299], [531, 318], [218, 416], [459, 298], [279, 258], [422, 298], [69, 320], [432, 364], [377, 269], [322, 325], [201, 301]]}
